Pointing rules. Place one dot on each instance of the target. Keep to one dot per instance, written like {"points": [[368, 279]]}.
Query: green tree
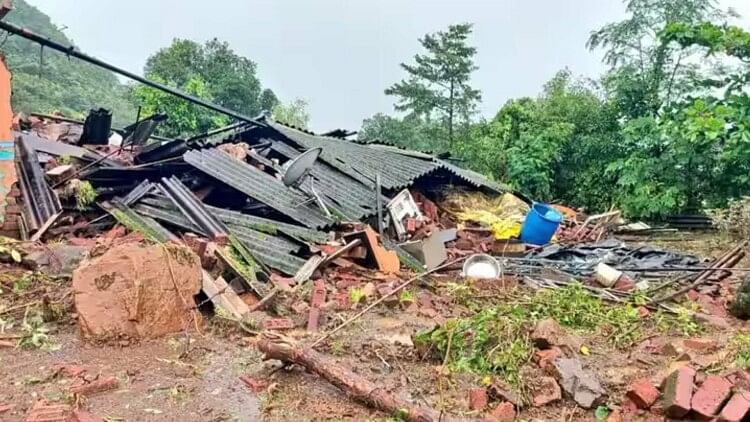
{"points": [[293, 114], [438, 84], [228, 79], [554, 147], [185, 118], [408, 132], [646, 72], [696, 154], [45, 81], [268, 100]]}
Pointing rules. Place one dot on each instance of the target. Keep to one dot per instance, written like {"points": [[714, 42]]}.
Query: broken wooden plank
{"points": [[224, 297]]}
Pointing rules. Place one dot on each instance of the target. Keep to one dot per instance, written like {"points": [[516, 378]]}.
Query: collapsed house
{"points": [[233, 176]]}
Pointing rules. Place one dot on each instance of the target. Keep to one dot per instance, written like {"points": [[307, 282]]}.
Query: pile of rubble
{"points": [[237, 222]]}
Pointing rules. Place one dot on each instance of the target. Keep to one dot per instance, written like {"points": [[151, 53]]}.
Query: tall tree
{"points": [[438, 86], [646, 72], [227, 79]]}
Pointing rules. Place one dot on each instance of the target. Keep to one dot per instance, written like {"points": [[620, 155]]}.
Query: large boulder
{"points": [[137, 291], [741, 305]]}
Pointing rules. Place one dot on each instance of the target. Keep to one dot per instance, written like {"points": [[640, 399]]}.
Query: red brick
{"points": [[711, 395], [701, 344], [547, 356], [342, 300], [71, 370], [83, 416], [410, 224], [43, 412], [313, 319], [624, 284], [254, 384], [737, 407], [504, 412], [6, 408], [678, 392], [98, 386], [278, 324], [643, 312], [692, 295], [643, 393], [478, 398], [318, 296]]}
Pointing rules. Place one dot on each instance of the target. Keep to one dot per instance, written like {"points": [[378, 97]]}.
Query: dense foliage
{"points": [[46, 81], [664, 130], [212, 71]]}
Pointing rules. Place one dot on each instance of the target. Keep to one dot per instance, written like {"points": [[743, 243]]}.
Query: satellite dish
{"points": [[300, 167], [298, 170]]}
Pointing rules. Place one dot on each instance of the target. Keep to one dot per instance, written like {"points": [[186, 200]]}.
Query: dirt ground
{"points": [[163, 380]]}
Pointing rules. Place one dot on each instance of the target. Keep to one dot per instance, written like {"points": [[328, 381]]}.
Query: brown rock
{"points": [[129, 292], [547, 391], [501, 391]]}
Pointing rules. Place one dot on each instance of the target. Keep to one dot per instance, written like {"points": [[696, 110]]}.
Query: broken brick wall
{"points": [[7, 154]]}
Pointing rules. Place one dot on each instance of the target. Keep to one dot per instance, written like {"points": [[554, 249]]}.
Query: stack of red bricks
{"points": [[11, 227], [689, 395]]}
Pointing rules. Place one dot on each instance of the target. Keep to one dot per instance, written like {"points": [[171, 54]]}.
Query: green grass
{"points": [[85, 196], [496, 340], [739, 350]]}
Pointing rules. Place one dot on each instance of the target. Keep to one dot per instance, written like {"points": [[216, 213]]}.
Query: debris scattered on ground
{"points": [[394, 275]]}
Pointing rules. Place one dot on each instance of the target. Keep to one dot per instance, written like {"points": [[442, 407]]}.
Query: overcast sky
{"points": [[340, 55]]}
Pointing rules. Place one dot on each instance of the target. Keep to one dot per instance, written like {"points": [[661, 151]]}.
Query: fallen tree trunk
{"points": [[279, 347]]}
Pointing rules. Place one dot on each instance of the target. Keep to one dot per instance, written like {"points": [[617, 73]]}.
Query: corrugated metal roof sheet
{"points": [[362, 162], [273, 251], [353, 199], [398, 167], [258, 185], [263, 225]]}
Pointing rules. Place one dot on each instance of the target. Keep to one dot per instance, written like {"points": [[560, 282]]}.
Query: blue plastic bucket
{"points": [[540, 224]]}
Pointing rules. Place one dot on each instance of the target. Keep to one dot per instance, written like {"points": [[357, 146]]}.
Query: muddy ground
{"points": [[163, 380]]}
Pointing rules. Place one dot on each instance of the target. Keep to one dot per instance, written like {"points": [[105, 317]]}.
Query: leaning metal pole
{"points": [[71, 51]]}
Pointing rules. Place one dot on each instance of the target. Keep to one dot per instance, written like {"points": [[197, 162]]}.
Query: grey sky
{"points": [[339, 55]]}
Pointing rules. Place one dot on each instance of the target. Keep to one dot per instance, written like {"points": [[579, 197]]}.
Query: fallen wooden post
{"points": [[280, 347]]}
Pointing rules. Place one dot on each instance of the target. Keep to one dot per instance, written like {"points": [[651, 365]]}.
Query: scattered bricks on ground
{"points": [[98, 386], [710, 396], [678, 392], [478, 398], [736, 408], [643, 393]]}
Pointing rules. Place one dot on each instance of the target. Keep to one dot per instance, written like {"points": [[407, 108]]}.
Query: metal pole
{"points": [[379, 202], [71, 51]]}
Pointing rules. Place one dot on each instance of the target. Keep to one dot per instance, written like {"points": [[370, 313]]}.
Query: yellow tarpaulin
{"points": [[503, 215]]}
